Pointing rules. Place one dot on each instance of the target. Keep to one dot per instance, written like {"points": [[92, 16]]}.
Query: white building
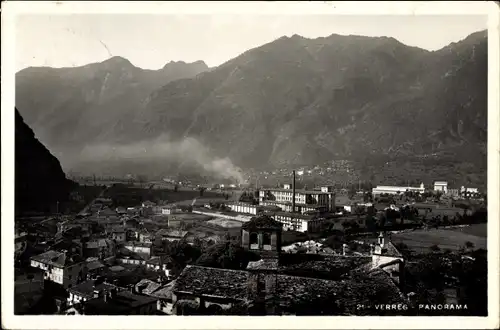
{"points": [[244, 208], [394, 190], [59, 267], [167, 210], [441, 186], [305, 200], [299, 222]]}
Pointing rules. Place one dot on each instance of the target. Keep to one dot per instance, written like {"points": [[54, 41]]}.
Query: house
{"points": [[164, 296], [60, 267], [88, 290], [170, 209], [146, 287], [116, 302], [305, 200], [394, 190], [441, 186], [99, 248], [170, 235], [94, 268], [141, 249], [160, 263], [145, 237], [120, 210], [148, 204], [119, 234], [299, 222]]}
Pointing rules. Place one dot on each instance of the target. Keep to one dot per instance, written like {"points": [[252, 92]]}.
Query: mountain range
{"points": [[294, 101]]}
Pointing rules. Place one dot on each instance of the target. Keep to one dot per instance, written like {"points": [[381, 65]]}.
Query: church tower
{"points": [[262, 235]]}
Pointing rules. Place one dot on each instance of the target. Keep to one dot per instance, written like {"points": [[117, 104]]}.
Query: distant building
{"points": [[119, 234], [142, 249], [99, 248], [88, 290], [305, 200], [394, 190], [171, 209], [59, 267], [441, 186], [170, 234], [245, 208], [299, 222]]}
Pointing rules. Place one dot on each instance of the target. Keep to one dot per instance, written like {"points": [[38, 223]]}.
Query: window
{"points": [[254, 238], [266, 239]]}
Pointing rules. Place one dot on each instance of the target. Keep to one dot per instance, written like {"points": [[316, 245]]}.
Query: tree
{"points": [[469, 245], [434, 248]]}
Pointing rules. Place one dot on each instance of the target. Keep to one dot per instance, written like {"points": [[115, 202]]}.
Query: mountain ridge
{"points": [[297, 100]]}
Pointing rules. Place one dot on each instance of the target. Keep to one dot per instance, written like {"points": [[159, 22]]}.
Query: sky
{"points": [[150, 41]]}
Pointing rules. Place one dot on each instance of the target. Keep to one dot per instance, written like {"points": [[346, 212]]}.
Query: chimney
{"points": [[293, 193]]}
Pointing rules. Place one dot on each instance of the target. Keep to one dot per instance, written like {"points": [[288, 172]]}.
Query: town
{"points": [[180, 249]]}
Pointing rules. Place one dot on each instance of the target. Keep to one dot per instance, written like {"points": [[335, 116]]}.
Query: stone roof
{"points": [[146, 286], [172, 233], [165, 292], [95, 244], [224, 283], [57, 259], [366, 288], [263, 264], [262, 222], [86, 289]]}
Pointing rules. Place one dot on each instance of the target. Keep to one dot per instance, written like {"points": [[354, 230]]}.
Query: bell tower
{"points": [[262, 235]]}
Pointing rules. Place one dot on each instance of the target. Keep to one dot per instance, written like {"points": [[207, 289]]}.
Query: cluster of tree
{"points": [[432, 273]]}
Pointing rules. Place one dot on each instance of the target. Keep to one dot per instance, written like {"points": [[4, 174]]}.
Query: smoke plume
{"points": [[188, 152]]}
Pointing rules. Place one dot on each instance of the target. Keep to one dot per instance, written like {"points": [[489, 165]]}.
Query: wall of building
{"points": [[142, 250]]}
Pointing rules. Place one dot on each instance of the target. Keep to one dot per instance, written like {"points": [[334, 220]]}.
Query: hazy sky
{"points": [[150, 41]]}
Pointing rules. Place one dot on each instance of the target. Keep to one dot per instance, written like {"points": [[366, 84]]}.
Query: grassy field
{"points": [[453, 239], [479, 230]]}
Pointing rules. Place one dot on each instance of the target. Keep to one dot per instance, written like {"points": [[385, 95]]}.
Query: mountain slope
{"points": [[39, 179], [304, 101], [293, 101], [69, 107]]}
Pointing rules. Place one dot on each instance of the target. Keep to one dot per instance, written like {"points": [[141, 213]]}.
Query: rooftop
{"points": [[55, 258], [146, 286], [362, 288], [224, 283], [164, 292], [262, 222], [299, 191], [86, 289], [263, 264], [121, 304], [172, 233]]}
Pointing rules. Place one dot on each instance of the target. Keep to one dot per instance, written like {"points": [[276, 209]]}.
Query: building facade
{"points": [[59, 268], [441, 186], [394, 190], [305, 200]]}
